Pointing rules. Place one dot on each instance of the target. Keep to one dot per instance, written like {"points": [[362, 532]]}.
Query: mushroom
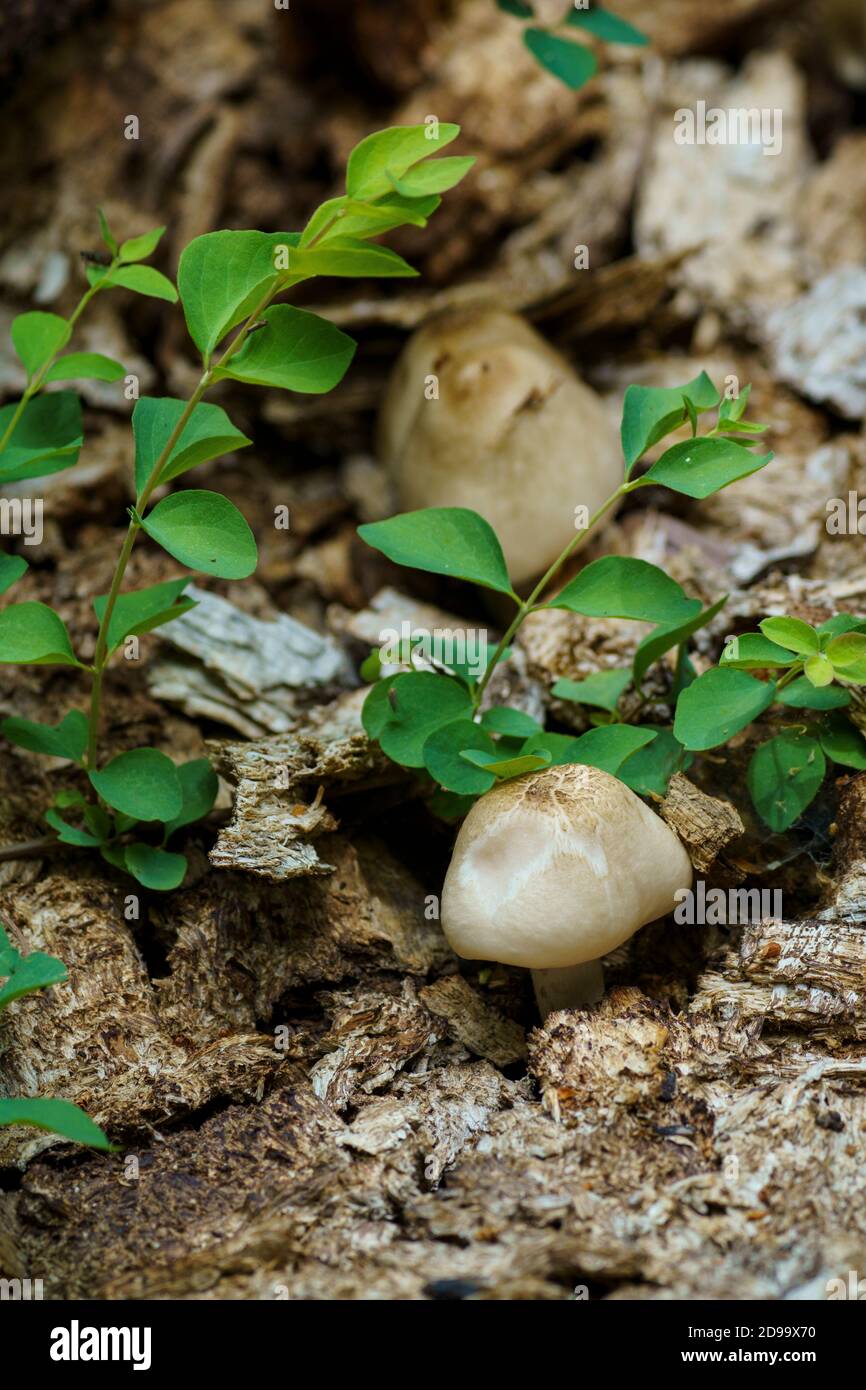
{"points": [[481, 412], [555, 869]]}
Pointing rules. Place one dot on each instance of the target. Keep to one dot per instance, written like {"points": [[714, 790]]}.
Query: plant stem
{"points": [[528, 605], [35, 386]]}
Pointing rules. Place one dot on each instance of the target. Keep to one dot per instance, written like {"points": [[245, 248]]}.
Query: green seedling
{"points": [[570, 62], [129, 808]]}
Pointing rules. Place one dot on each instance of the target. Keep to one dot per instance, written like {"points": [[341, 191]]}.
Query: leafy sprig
{"points": [[572, 63], [227, 280]]}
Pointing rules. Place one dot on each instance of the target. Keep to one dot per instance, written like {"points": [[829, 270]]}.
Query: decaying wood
{"points": [[705, 824]]}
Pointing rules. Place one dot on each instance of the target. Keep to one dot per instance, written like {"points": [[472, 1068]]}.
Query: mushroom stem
{"points": [[568, 986]]}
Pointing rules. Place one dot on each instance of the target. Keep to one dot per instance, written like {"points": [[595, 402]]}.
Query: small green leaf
{"points": [[802, 694], [199, 786], [784, 776], [443, 758], [26, 974], [848, 655], [718, 705], [667, 637], [419, 703], [56, 1116], [791, 633], [442, 540], [85, 366], [572, 63], [601, 690], [651, 412], [32, 634], [222, 276], [606, 748], [154, 868], [106, 233], [604, 25], [518, 8], [513, 722], [37, 337], [349, 257], [436, 176], [138, 248], [47, 438], [204, 531], [353, 218], [11, 569], [68, 739], [618, 586], [504, 769], [752, 651], [141, 610], [650, 769], [818, 671], [733, 408], [142, 279], [700, 467], [391, 153], [377, 708], [72, 834], [294, 350], [142, 783], [842, 743], [207, 434], [840, 623]]}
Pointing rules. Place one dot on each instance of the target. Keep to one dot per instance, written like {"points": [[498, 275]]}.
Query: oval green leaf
{"points": [[142, 783], [784, 776], [32, 634], [718, 705], [205, 531], [443, 540]]}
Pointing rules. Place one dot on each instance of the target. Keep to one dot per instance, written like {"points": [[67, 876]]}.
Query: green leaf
{"points": [[443, 759], [207, 434], [377, 708], [618, 586], [512, 722], [436, 176], [142, 783], [47, 438], [204, 531], [199, 786], [346, 256], [784, 776], [667, 637], [752, 651], [842, 743], [442, 540], [106, 233], [142, 279], [504, 769], [718, 705], [700, 467], [68, 739], [141, 610], [601, 690], [848, 655], [85, 366], [610, 747], [650, 769], [791, 633], [651, 412], [222, 276], [355, 218], [32, 634], [26, 973], [295, 350], [56, 1116], [572, 63], [138, 248], [37, 337], [389, 154], [802, 694], [733, 408], [518, 8], [419, 703], [604, 25], [11, 569], [840, 623], [72, 834], [154, 868], [818, 671]]}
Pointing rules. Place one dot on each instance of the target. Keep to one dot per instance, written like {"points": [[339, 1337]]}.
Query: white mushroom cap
{"points": [[557, 868], [514, 433]]}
